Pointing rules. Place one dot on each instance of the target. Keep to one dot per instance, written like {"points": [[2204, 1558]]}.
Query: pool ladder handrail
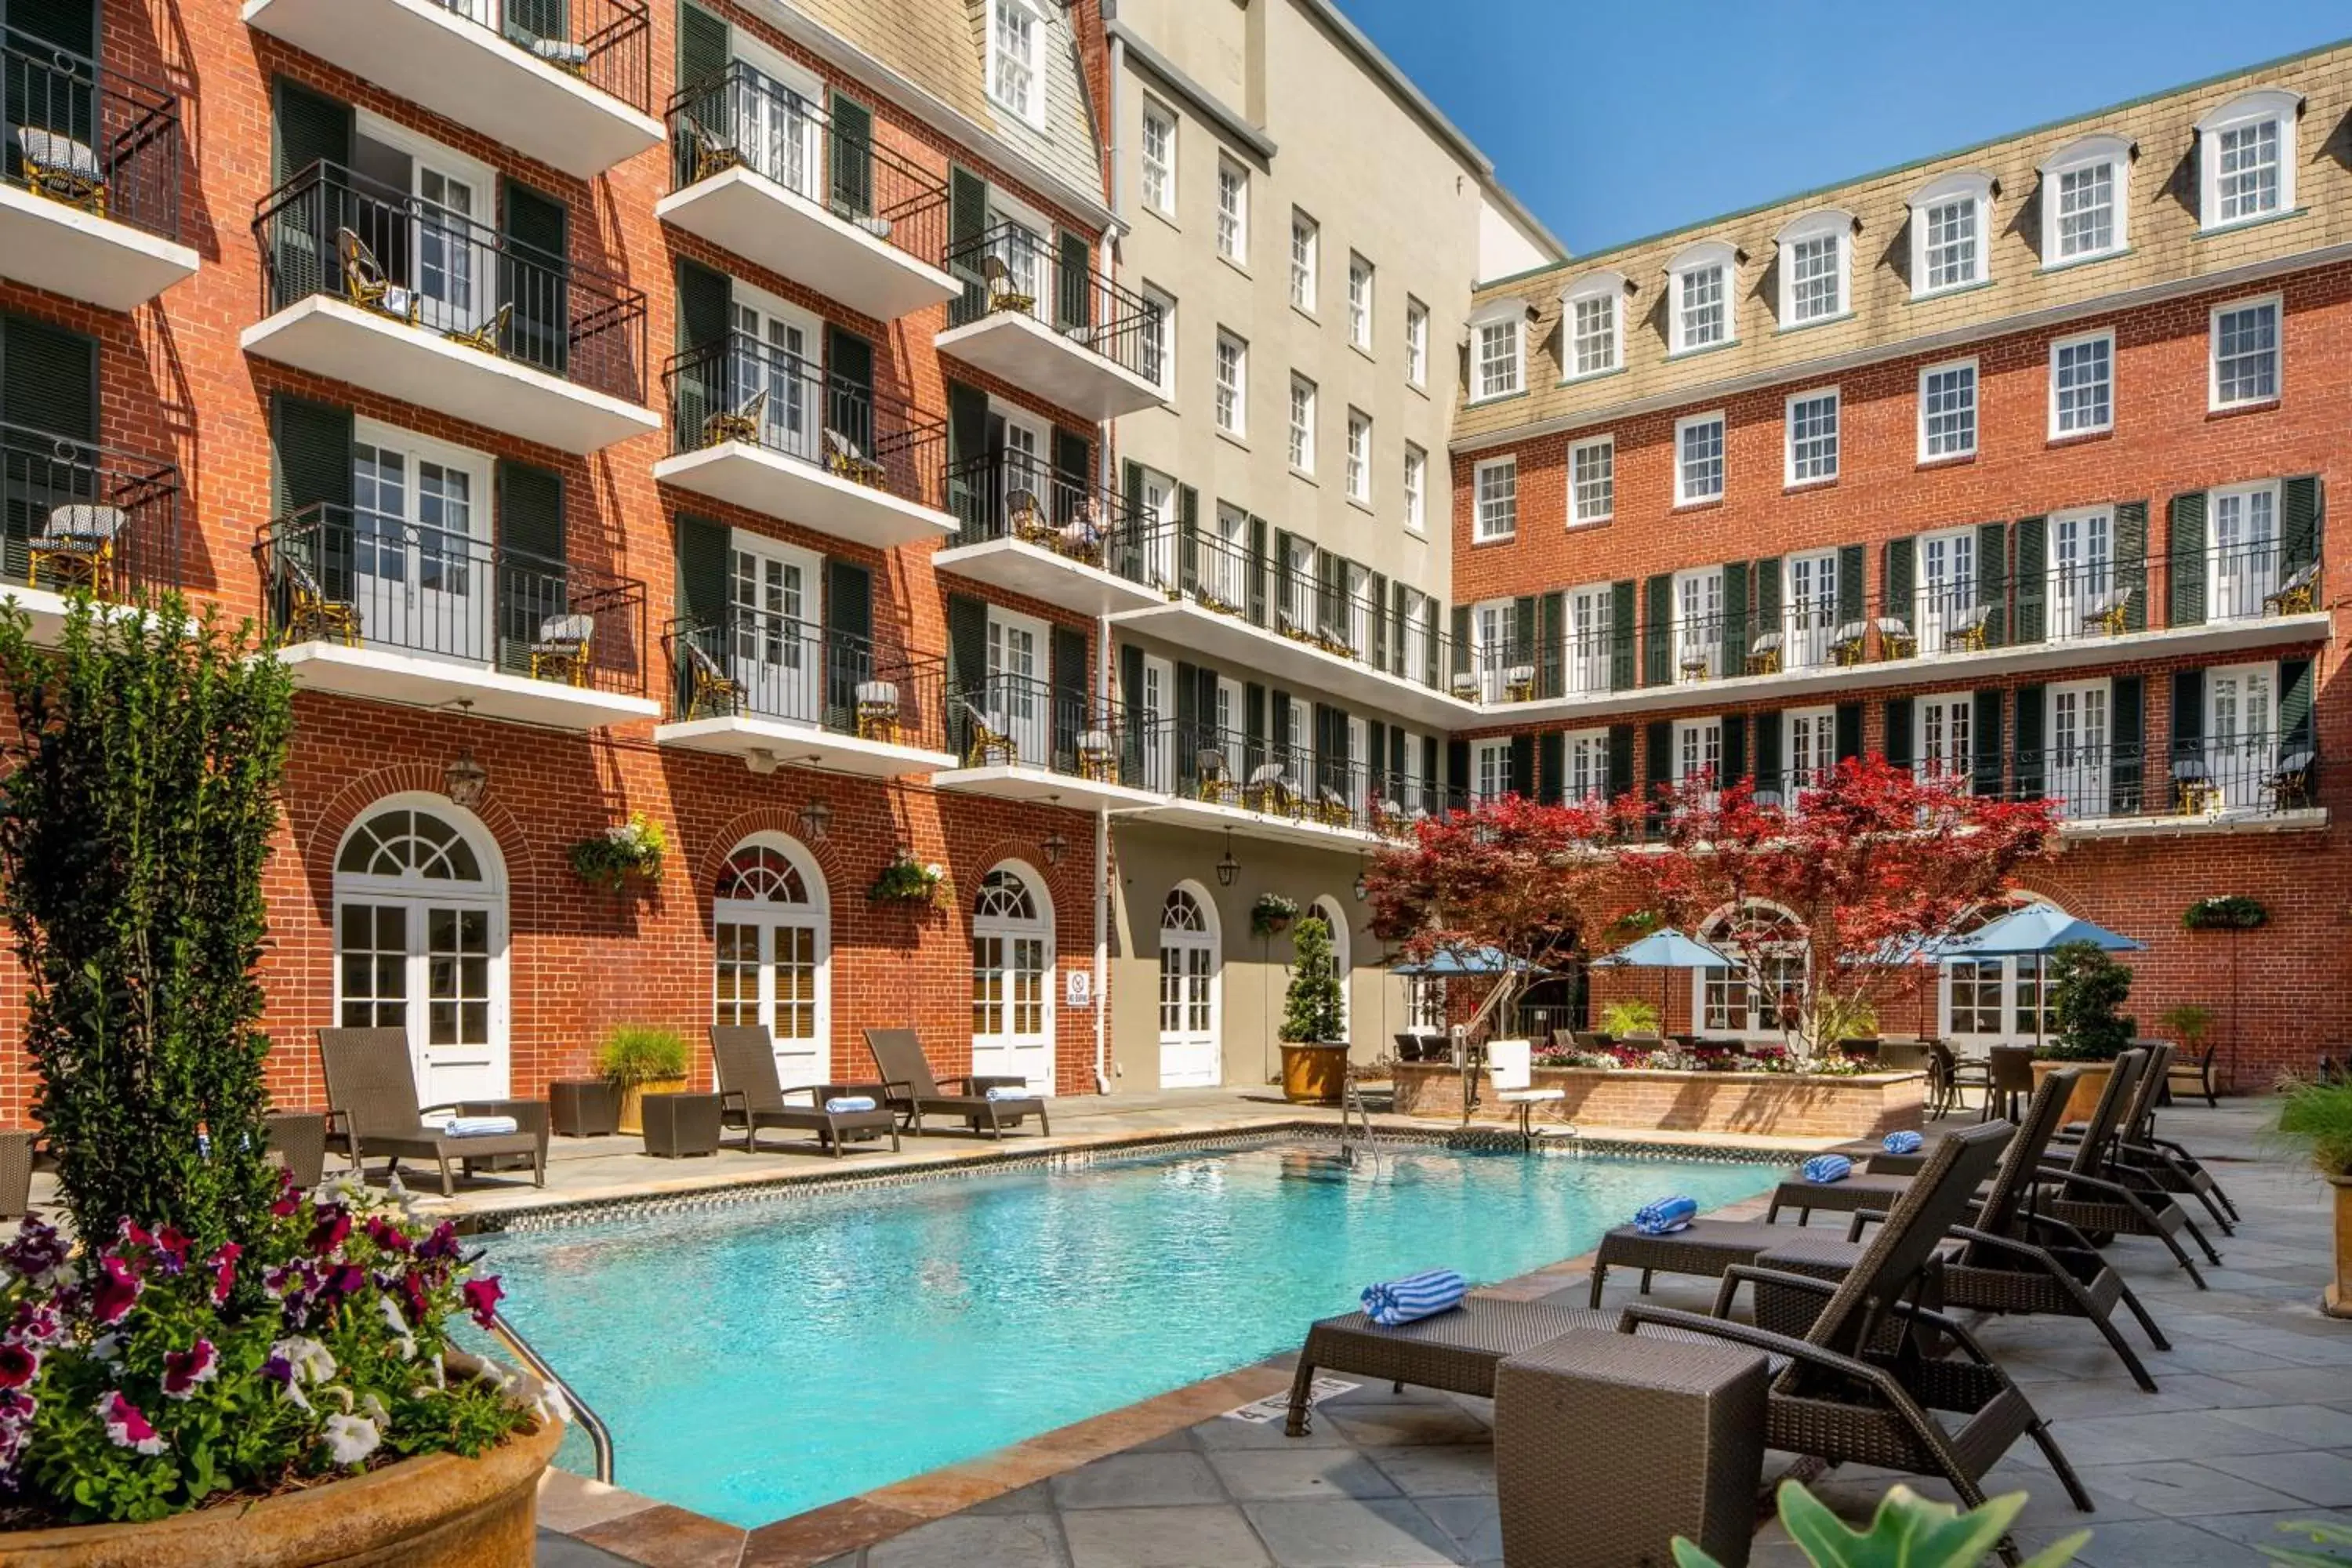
{"points": [[1352, 1112], [600, 1436]]}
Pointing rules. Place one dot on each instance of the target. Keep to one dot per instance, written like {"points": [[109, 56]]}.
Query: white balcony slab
{"points": [[1020, 781], [421, 681], [761, 479], [2103, 829], [337, 338], [768, 743], [1017, 347], [1183, 810], [81, 256], [423, 51], [760, 220], [1018, 566], [1288, 661]]}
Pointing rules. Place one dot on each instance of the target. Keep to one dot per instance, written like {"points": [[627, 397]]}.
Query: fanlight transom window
{"points": [[760, 874], [1183, 912], [414, 845], [1004, 896]]}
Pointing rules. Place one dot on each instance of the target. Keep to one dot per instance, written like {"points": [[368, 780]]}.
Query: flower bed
{"points": [[1783, 1104]]}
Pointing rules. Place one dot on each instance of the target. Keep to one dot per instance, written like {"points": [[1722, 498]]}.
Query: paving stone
{"points": [[1402, 1426], [2176, 1489], [555, 1550], [1139, 1480], [1035, 1497], [2320, 1478], [977, 1540], [2311, 1426], [1476, 1523], [1262, 1475], [1439, 1470], [1162, 1538], [2150, 1544], [1215, 1436], [1356, 1532]]}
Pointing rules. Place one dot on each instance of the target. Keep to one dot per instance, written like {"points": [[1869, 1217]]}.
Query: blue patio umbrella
{"points": [[2032, 932], [1663, 950], [1448, 963]]}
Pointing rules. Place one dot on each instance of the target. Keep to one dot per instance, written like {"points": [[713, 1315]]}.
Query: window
{"points": [[2081, 384], [1498, 499], [1950, 219], [2245, 157], [2245, 352], [2241, 557], [1764, 996], [1158, 350], [1416, 343], [2075, 763], [2085, 200], [1159, 158], [1584, 766], [1701, 280], [1812, 420], [1359, 302], [1306, 250], [1949, 616], [1810, 750], [2241, 744], [1302, 423], [1943, 725], [1232, 211], [2082, 573], [1493, 769], [1590, 308], [1591, 616], [1592, 480], [1698, 750], [1232, 384], [1813, 267], [1014, 35], [1811, 592], [1417, 479], [1698, 460], [1947, 411], [1360, 455], [1497, 371], [1698, 624]]}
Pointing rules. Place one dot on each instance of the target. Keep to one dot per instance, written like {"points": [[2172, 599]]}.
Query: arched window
{"points": [[1989, 1002], [1326, 908], [1013, 978], [770, 934], [1758, 1001], [1191, 975]]}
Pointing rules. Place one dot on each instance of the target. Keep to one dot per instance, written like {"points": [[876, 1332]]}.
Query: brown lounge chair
{"points": [[752, 1096], [2162, 1162], [908, 1088], [372, 1107], [2102, 1194]]}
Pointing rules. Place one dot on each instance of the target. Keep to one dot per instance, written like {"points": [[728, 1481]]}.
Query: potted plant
{"points": [[1313, 1021], [1271, 915], [907, 880], [2316, 1117], [219, 1368], [1630, 1020], [2087, 990], [629, 852], [638, 1060]]}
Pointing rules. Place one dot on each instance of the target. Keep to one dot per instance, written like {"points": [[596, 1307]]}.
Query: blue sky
{"points": [[1615, 121]]}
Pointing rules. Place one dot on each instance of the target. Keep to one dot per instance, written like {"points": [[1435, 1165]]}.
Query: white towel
{"points": [[1002, 1092], [480, 1126], [842, 1104]]}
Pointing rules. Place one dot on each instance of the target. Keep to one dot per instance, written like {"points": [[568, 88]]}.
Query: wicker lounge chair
{"points": [[878, 709], [2103, 1196], [908, 1088], [1846, 643], [16, 1173], [2294, 596], [750, 1096], [76, 544], [2110, 612], [1270, 789], [712, 155], [372, 1108], [2288, 787], [2166, 1164], [1895, 638], [1214, 778], [299, 1138]]}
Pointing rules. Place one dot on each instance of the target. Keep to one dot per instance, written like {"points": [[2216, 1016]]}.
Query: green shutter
{"points": [[699, 388], [2032, 579], [49, 380], [1850, 595], [1070, 705], [1657, 632], [1252, 728], [1126, 540], [1992, 580], [1188, 539], [2188, 714], [705, 299], [1258, 610], [68, 25], [1073, 459], [1622, 634], [1734, 658], [1461, 640], [2127, 733], [1985, 767], [1897, 739], [1074, 283], [1769, 764], [1621, 759], [701, 605], [849, 600], [2185, 528], [1378, 586], [967, 223], [311, 443], [1658, 743], [309, 128], [1552, 673], [1551, 766], [2301, 507], [530, 567], [849, 651], [531, 276], [2294, 706], [1523, 764], [703, 46], [532, 21], [1897, 581], [1286, 592], [849, 388], [2131, 561], [967, 467], [1734, 747], [1457, 768], [1765, 603], [1849, 731], [1523, 631], [852, 145], [967, 663], [1278, 743]]}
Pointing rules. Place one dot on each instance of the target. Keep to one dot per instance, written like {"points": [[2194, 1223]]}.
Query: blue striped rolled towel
{"points": [[479, 1126], [1828, 1168], [1665, 1216], [1002, 1092], [1901, 1143], [1414, 1296], [842, 1104]]}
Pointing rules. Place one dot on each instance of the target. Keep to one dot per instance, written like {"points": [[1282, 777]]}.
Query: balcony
{"points": [[770, 432], [2256, 783], [81, 515], [1034, 532], [565, 81], [1297, 630], [367, 285], [370, 606], [778, 692], [90, 193], [1219, 780], [1018, 739], [1064, 332], [762, 172]]}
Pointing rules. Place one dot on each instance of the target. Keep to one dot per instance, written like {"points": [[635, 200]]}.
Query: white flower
{"points": [[107, 1348], [373, 1408], [440, 1377], [312, 1362], [350, 1440], [934, 871], [399, 1327]]}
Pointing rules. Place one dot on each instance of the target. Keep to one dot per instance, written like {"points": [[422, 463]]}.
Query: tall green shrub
{"points": [[1313, 1008], [141, 792], [2087, 990]]}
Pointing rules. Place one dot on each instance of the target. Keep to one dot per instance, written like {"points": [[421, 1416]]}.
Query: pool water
{"points": [[762, 1358]]}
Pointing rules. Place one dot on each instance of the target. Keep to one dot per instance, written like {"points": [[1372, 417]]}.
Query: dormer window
{"points": [[1015, 35], [2085, 200], [1498, 344], [1593, 321], [1951, 220], [1813, 251], [2245, 158], [1700, 277]]}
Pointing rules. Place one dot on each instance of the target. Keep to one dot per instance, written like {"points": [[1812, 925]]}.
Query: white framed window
{"points": [[1698, 751], [1947, 411], [1359, 302], [2085, 200], [1951, 225], [1232, 384], [1698, 458], [1416, 343], [1809, 597], [1808, 751], [2245, 158], [1158, 355], [1158, 157], [2241, 550], [1698, 624], [1360, 455], [1305, 255], [1499, 333], [1302, 423], [1584, 766], [2245, 352], [1493, 770], [1814, 255], [1591, 618], [1813, 423], [1232, 211], [1948, 613], [2081, 384], [1942, 729], [1496, 482], [1595, 322], [1016, 37], [1700, 277], [1592, 480], [1416, 486]]}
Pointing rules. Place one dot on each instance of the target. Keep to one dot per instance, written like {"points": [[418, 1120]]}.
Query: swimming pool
{"points": [[758, 1359]]}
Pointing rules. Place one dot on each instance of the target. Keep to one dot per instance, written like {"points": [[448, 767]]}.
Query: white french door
{"points": [[2243, 561], [775, 655], [1944, 727], [2082, 570], [1812, 615], [1490, 642], [1159, 525], [1012, 983], [778, 354], [768, 972], [1190, 972], [2240, 731], [1588, 653], [1812, 752], [1160, 739], [1699, 626], [1024, 466], [420, 526], [776, 128], [1989, 1002], [454, 288], [1947, 587], [424, 965], [1018, 702], [2078, 762]]}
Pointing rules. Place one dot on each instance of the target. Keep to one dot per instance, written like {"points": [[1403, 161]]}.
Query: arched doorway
{"points": [[1191, 980], [1013, 978], [421, 943], [1986, 1001], [771, 944], [1335, 919], [1753, 1003]]}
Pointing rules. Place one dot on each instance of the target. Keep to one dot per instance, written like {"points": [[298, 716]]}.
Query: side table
{"points": [[677, 1125], [584, 1107]]}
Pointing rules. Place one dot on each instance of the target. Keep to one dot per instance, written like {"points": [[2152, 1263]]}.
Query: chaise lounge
{"points": [[751, 1096], [372, 1108], [909, 1089]]}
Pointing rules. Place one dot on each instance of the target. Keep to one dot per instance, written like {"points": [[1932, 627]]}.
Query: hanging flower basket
{"points": [[629, 852], [1272, 914], [2228, 912], [907, 880]]}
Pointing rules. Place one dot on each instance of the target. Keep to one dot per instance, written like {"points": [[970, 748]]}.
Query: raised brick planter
{"points": [[1782, 1104]]}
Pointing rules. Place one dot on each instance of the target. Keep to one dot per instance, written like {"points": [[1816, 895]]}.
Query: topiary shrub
{"points": [[2086, 990], [1313, 1008]]}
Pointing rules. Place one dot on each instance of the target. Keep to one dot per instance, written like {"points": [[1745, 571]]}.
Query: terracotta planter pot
{"points": [[1316, 1073], [633, 1101], [2338, 1302], [2087, 1087]]}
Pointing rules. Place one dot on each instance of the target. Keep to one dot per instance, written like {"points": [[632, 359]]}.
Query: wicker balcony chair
{"points": [[908, 1088], [1519, 683], [365, 285], [2294, 596], [842, 456], [1002, 295], [1895, 638], [1764, 653], [1847, 643], [1697, 663], [1968, 634], [2194, 792], [751, 1096], [77, 544], [711, 692], [1097, 757], [1270, 789], [741, 425], [489, 336], [1331, 808], [1214, 778], [311, 614], [561, 53], [713, 154], [2288, 787], [57, 167], [878, 709], [563, 649], [986, 743], [372, 1108], [2109, 612]]}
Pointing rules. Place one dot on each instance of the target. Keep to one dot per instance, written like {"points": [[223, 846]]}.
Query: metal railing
{"points": [[743, 118], [600, 1436], [1001, 495], [608, 44], [88, 137], [1021, 720], [2250, 775], [1324, 614], [336, 573], [740, 389], [76, 512], [759, 664], [1009, 269], [1228, 767], [330, 231]]}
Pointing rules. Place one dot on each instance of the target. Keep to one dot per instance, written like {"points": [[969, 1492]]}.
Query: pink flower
{"points": [[327, 1235], [441, 1245], [125, 1427], [184, 1370], [37, 1252], [172, 1247], [114, 1293], [289, 1201], [387, 1234], [482, 1296], [223, 1264], [349, 1279], [413, 1289], [18, 1363], [133, 1232]]}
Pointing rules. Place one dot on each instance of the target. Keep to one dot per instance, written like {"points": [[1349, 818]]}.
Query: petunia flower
{"points": [[281, 1371], [387, 1235], [222, 1263], [170, 1249], [334, 1225], [289, 1201], [36, 1251], [399, 1327], [482, 1294], [184, 1370], [311, 1361], [442, 1245], [116, 1291], [350, 1439], [18, 1363], [349, 1279], [125, 1427]]}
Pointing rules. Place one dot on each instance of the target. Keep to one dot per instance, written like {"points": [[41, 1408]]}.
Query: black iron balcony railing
{"points": [[1001, 495], [334, 574], [330, 231], [2252, 776], [1228, 767], [1344, 620], [743, 118], [1006, 269], [740, 389], [760, 664], [608, 44], [88, 137], [77, 514], [1020, 721]]}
